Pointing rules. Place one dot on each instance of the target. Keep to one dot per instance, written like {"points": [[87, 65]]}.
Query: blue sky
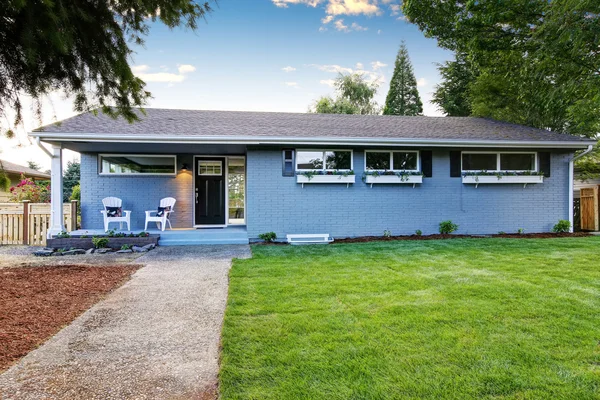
{"points": [[268, 55]]}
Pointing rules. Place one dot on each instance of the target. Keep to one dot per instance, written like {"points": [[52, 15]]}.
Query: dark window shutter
{"points": [[427, 163], [544, 163], [455, 169]]}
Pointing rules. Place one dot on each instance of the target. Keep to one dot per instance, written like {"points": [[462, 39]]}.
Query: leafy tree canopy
{"points": [[451, 95], [71, 178], [82, 48], [34, 165], [354, 96], [403, 96]]}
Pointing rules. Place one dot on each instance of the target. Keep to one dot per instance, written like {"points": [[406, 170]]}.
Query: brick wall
{"points": [[279, 204]]}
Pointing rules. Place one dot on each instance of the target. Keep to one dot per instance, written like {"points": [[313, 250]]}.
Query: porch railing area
{"points": [[27, 223]]}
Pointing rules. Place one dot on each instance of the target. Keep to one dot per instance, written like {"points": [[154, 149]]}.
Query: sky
{"points": [[264, 55]]}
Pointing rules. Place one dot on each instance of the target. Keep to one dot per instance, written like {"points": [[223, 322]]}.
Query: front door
{"points": [[210, 191]]}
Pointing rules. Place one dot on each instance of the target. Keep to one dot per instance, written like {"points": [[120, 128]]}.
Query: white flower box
{"points": [[409, 179], [326, 179], [492, 179]]}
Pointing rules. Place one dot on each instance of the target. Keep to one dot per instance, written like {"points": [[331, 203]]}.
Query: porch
{"points": [[186, 236]]}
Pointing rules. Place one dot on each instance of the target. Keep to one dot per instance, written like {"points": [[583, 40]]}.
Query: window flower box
{"points": [[346, 178], [499, 179], [394, 179]]}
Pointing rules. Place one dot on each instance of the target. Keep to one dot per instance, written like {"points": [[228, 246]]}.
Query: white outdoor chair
{"points": [[125, 215], [162, 220]]}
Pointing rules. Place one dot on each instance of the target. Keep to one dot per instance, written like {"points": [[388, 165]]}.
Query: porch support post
{"points": [[56, 193]]}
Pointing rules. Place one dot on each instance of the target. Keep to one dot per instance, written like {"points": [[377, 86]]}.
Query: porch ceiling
{"points": [[153, 148]]}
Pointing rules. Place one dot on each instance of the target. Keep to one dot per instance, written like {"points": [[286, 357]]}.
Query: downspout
{"points": [[39, 143], [572, 181]]}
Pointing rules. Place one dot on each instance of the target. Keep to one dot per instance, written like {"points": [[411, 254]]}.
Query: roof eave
{"points": [[265, 140]]}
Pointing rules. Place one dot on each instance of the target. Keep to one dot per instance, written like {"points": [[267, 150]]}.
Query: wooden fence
{"points": [[28, 223], [590, 209]]}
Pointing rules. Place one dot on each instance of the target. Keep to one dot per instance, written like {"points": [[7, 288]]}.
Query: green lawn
{"points": [[448, 319]]}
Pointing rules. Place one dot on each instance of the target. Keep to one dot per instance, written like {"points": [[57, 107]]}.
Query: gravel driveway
{"points": [[156, 337]]}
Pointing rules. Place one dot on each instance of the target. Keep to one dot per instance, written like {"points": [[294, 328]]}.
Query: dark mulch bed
{"points": [[36, 302], [546, 235]]}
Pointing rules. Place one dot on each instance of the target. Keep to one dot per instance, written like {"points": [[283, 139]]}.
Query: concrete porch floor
{"points": [[185, 237]]}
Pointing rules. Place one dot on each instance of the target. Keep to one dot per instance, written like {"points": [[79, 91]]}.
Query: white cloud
{"points": [[359, 66], [395, 9], [421, 82], [285, 3], [327, 19], [379, 31], [339, 25], [357, 27], [322, 29], [288, 69], [331, 68], [328, 82], [137, 69], [376, 65], [352, 7], [161, 77], [291, 84], [185, 68]]}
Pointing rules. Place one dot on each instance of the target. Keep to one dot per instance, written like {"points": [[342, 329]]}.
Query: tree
{"points": [[34, 165], [354, 96], [71, 178], [452, 94], [537, 61], [4, 179], [403, 97], [82, 48]]}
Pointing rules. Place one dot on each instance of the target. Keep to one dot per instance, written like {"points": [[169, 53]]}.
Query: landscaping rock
{"points": [[149, 246], [43, 253], [125, 251], [89, 251], [74, 252], [137, 249], [57, 254], [102, 251]]}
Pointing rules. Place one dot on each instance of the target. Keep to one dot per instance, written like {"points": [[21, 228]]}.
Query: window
{"points": [[474, 161], [392, 160], [288, 163], [135, 164], [210, 168], [323, 160]]}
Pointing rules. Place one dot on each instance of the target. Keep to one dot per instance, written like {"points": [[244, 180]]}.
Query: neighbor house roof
{"points": [[19, 169], [280, 128]]}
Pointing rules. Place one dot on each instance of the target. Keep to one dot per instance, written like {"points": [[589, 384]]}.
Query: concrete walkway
{"points": [[156, 337]]}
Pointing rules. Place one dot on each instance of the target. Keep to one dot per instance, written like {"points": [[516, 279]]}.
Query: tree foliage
{"points": [[451, 95], [71, 178], [354, 96], [82, 48], [34, 165], [403, 96]]}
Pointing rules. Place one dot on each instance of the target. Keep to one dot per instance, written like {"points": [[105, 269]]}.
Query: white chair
{"points": [[161, 220], [125, 215]]}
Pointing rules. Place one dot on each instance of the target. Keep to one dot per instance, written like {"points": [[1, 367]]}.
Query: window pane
{"points": [[338, 159], [210, 168], [517, 162], [404, 160], [310, 159], [378, 160], [236, 182], [122, 164], [479, 162]]}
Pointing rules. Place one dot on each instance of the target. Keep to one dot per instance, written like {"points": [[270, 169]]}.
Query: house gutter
{"points": [[248, 140], [572, 182], [41, 146]]}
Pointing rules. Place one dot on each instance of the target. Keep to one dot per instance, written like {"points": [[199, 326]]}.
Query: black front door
{"points": [[210, 191]]}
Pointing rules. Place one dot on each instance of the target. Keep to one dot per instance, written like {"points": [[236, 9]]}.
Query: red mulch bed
{"points": [[36, 302], [546, 235]]}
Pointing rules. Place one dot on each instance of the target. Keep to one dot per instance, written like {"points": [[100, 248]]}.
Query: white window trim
{"points": [[498, 153], [215, 163], [418, 153], [324, 162], [174, 157]]}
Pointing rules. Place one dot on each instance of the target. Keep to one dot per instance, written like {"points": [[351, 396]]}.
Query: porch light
{"points": [[184, 167]]}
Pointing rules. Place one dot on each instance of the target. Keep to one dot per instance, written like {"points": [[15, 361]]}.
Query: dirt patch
{"points": [[36, 302], [546, 235]]}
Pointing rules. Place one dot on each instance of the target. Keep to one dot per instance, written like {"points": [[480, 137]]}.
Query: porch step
{"points": [[200, 241], [229, 235]]}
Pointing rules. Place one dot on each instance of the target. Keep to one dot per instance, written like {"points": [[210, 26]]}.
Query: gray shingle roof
{"points": [[196, 123], [20, 169]]}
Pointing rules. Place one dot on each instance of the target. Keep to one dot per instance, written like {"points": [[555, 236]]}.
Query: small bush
{"points": [[447, 227], [143, 234], [501, 233], [562, 226], [111, 233], [418, 232], [63, 235], [520, 231], [268, 237], [126, 247], [100, 242], [387, 233]]}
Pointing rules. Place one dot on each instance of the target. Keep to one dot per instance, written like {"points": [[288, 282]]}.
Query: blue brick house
{"points": [[346, 175]]}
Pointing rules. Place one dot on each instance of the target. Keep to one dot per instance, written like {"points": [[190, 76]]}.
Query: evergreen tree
{"points": [[403, 97], [451, 95], [71, 177]]}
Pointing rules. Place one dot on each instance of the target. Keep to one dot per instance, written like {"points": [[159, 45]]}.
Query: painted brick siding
{"points": [[279, 204], [138, 193]]}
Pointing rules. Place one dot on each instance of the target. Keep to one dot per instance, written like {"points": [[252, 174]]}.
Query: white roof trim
{"points": [[268, 140]]}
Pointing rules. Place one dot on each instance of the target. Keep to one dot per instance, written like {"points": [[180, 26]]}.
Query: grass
{"points": [[448, 319]]}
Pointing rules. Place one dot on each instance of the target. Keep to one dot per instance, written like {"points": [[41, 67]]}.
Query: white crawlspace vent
{"points": [[309, 238]]}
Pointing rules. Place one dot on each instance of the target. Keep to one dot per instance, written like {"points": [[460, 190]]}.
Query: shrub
{"points": [[100, 242], [387, 233], [27, 189], [501, 233], [418, 232], [562, 226], [76, 194], [520, 231], [143, 234], [447, 227], [126, 247], [111, 233], [63, 235], [268, 236]]}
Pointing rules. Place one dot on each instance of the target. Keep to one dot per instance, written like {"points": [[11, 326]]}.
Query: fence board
{"points": [[589, 209]]}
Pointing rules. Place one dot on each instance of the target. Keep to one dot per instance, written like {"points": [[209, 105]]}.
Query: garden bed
{"points": [[36, 302], [545, 235], [113, 242]]}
